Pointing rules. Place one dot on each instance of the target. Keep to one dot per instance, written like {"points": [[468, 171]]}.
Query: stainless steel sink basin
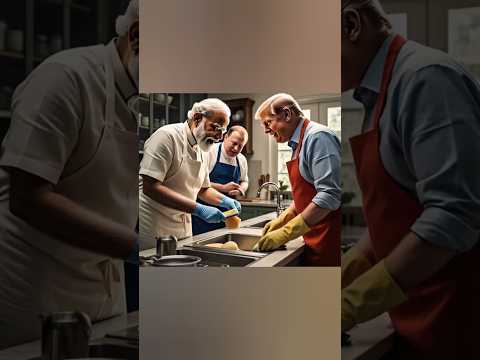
{"points": [[260, 225], [114, 351], [110, 351], [245, 242], [217, 258]]}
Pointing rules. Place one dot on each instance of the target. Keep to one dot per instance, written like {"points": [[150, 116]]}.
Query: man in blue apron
{"points": [[228, 172]]}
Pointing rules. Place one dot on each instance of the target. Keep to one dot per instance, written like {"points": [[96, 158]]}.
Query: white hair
{"points": [[206, 105], [274, 103], [124, 21]]}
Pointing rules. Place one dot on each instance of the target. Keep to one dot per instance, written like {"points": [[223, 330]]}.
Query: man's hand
{"points": [[230, 203], [226, 188], [35, 201], [208, 214], [235, 193], [276, 238], [278, 222]]}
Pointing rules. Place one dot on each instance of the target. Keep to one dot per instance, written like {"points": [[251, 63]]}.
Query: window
{"points": [[334, 120], [284, 155]]}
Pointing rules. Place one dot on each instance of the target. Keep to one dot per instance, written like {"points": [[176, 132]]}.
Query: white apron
{"points": [[41, 274], [158, 220]]}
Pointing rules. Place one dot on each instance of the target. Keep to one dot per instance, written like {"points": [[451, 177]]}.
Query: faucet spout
{"points": [[280, 208]]}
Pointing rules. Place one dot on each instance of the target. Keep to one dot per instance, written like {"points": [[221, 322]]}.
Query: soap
{"points": [[232, 222]]}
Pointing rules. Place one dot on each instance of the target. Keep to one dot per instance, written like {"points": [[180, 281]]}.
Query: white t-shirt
{"points": [[225, 159], [163, 152]]}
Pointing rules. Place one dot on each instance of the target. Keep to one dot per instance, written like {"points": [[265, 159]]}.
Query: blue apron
{"points": [[221, 174]]}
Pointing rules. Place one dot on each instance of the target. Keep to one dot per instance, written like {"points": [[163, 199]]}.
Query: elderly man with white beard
{"points": [[68, 185], [174, 172]]}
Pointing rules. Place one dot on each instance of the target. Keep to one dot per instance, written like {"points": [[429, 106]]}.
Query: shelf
{"points": [[74, 6], [11, 54], [171, 107], [82, 8], [18, 56], [5, 114]]}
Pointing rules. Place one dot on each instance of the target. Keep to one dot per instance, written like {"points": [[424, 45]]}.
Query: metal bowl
{"points": [[177, 261]]}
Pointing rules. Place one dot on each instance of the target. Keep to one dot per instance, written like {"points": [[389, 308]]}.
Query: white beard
{"points": [[204, 142]]}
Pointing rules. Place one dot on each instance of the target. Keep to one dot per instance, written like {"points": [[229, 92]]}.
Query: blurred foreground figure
{"points": [[417, 167], [68, 186]]}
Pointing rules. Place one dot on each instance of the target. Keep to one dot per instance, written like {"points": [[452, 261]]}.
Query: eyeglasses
{"points": [[216, 127], [219, 128]]}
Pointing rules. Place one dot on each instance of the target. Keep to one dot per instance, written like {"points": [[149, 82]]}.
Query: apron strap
{"points": [[110, 89], [300, 141], [393, 52], [218, 156]]}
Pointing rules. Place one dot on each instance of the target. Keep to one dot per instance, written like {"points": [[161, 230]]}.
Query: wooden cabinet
{"points": [[242, 115]]}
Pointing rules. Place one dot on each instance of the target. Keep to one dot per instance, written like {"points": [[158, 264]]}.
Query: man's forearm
{"points": [[166, 196], [415, 260], [211, 196], [60, 217], [313, 214], [217, 186]]}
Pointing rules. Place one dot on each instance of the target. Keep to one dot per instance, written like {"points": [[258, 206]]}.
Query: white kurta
{"points": [[172, 157], [71, 127]]}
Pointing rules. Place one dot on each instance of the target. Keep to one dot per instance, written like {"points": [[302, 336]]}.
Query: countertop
{"points": [[371, 340], [100, 329], [294, 248], [263, 203]]}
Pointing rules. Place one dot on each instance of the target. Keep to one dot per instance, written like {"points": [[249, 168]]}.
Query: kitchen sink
{"points": [[260, 225], [245, 242], [215, 258], [120, 351], [114, 351]]}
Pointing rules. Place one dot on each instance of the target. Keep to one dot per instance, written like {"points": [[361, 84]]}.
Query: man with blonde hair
{"points": [[314, 174], [174, 171]]}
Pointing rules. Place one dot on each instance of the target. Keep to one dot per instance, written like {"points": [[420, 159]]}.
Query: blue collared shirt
{"points": [[429, 142], [320, 162]]}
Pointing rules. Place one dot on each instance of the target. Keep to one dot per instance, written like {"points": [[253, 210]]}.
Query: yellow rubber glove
{"points": [[370, 295], [284, 218], [276, 238], [354, 264]]}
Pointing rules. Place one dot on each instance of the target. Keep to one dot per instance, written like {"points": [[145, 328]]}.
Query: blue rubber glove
{"points": [[230, 203], [209, 214]]}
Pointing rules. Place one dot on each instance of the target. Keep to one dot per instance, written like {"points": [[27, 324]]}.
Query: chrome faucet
{"points": [[280, 208]]}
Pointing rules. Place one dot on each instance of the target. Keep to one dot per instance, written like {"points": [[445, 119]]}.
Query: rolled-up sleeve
{"points": [[243, 174], [46, 122], [159, 151], [321, 165], [440, 125]]}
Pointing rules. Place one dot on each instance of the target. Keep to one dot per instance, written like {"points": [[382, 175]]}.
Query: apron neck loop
{"points": [[393, 52], [300, 140], [110, 94]]}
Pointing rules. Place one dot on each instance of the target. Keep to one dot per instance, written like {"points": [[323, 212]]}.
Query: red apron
{"points": [[440, 319], [322, 243]]}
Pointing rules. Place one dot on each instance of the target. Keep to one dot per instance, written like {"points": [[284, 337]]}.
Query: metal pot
{"points": [[177, 261], [65, 335], [166, 245]]}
